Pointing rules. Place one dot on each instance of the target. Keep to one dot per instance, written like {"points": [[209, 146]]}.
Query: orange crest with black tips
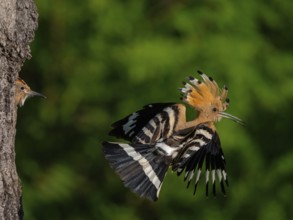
{"points": [[201, 94]]}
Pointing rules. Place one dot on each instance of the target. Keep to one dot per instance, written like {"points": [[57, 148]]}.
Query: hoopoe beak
{"points": [[232, 117], [33, 93]]}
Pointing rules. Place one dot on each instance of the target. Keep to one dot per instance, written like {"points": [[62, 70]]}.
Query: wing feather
{"points": [[148, 125], [202, 146], [128, 127]]}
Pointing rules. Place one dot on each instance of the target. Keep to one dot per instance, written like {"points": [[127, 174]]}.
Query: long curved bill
{"points": [[33, 93], [233, 118]]}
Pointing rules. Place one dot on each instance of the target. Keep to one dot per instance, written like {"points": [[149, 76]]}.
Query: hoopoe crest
{"points": [[207, 98], [160, 138], [23, 91]]}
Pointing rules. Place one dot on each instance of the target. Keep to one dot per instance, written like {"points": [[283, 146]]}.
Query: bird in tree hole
{"points": [[23, 91]]}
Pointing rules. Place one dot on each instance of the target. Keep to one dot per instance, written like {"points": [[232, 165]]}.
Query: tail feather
{"points": [[139, 167]]}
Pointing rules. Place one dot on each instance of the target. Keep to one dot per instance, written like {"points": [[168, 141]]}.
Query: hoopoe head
{"points": [[23, 91], [207, 98]]}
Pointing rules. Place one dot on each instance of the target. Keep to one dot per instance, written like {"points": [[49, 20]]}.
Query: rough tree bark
{"points": [[18, 22]]}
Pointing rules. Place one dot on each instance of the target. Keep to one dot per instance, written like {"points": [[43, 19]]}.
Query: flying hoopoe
{"points": [[23, 91], [160, 137]]}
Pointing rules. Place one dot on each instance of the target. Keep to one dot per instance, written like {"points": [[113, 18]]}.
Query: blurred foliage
{"points": [[99, 60]]}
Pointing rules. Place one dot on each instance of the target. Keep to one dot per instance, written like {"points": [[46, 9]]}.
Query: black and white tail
{"points": [[139, 166]]}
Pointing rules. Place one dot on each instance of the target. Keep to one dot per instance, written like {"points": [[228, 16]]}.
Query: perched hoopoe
{"points": [[161, 138], [23, 91]]}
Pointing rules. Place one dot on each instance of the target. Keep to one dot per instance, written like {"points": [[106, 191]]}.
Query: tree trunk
{"points": [[18, 22]]}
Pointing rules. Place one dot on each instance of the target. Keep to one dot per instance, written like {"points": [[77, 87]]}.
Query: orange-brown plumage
{"points": [[23, 91], [207, 98]]}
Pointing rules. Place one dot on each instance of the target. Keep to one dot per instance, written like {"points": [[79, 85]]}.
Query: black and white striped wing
{"points": [[128, 127], [202, 146], [143, 163], [146, 126]]}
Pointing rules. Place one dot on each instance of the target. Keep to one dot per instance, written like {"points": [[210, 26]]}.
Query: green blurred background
{"points": [[99, 60]]}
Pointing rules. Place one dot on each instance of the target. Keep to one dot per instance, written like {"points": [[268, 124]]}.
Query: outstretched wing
{"points": [[201, 146], [151, 123]]}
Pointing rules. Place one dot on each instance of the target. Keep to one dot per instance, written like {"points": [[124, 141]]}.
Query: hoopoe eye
{"points": [[22, 88], [214, 109]]}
